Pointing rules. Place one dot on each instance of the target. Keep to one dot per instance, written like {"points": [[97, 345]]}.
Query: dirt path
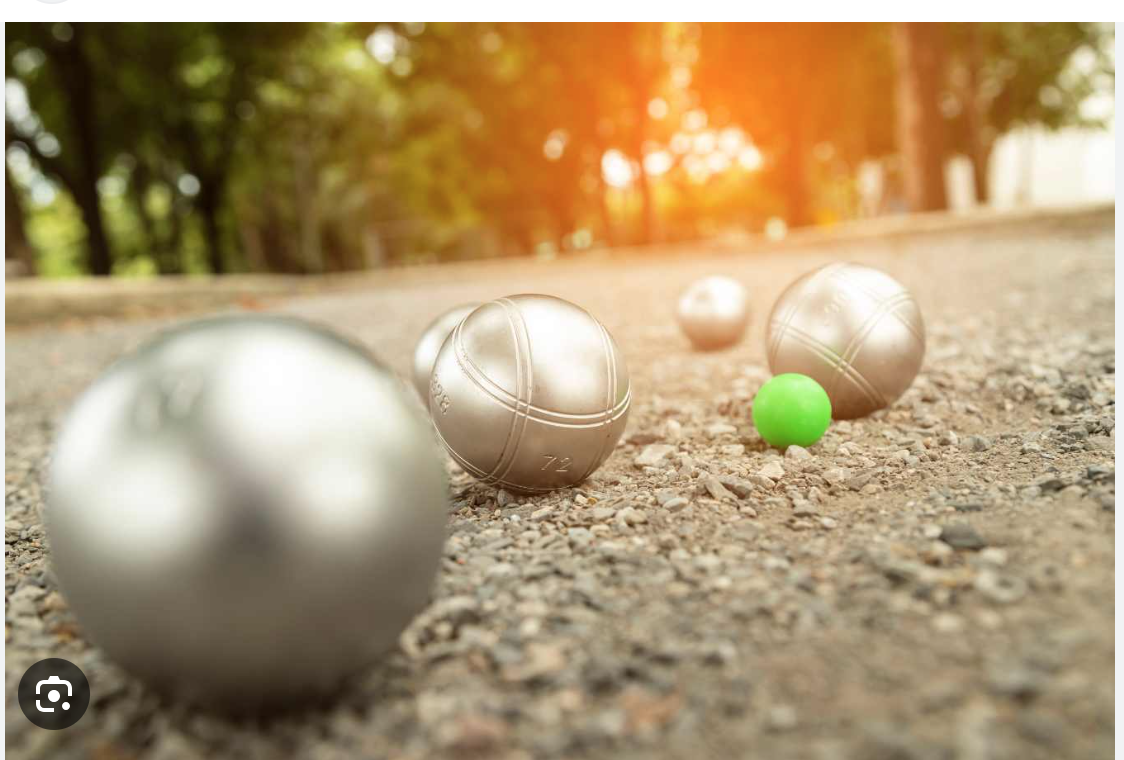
{"points": [[822, 613]]}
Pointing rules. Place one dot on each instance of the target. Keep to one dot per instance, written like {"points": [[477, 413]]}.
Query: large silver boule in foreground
{"points": [[530, 392], [425, 351], [245, 511], [853, 329], [713, 312]]}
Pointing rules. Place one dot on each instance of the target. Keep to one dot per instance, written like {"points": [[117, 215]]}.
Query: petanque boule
{"points": [[530, 393], [713, 312], [852, 328], [245, 511], [425, 351]]}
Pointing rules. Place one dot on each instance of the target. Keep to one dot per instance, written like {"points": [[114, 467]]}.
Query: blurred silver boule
{"points": [[425, 352], [530, 392], [245, 511], [714, 312], [855, 330]]}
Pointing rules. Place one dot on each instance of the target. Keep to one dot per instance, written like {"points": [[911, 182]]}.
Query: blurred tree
{"points": [[794, 87], [1001, 76], [17, 248], [328, 147], [920, 66], [70, 135]]}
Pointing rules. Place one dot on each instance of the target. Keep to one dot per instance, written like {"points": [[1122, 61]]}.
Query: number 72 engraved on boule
{"points": [[563, 463]]}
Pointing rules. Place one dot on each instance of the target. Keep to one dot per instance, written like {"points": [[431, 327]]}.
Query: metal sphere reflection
{"points": [[425, 351], [245, 511], [855, 330], [530, 392], [714, 312]]}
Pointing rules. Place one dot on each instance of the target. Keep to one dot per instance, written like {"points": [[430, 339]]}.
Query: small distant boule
{"points": [[530, 393], [855, 330], [425, 350], [714, 312], [245, 511]]}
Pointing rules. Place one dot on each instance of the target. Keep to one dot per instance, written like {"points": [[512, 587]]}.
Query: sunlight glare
{"points": [[750, 158], [657, 163], [616, 169]]}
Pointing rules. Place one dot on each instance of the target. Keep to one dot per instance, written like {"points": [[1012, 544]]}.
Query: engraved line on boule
{"points": [[459, 352], [611, 385], [859, 338], [832, 358], [798, 299], [476, 472], [874, 297], [509, 402], [527, 373]]}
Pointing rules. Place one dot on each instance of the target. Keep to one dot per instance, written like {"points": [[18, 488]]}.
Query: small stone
{"points": [[601, 514], [1000, 588], [720, 428], [861, 480], [473, 734], [542, 660], [782, 718], [503, 498], [1018, 682], [836, 475], [804, 509], [1051, 485], [947, 622], [774, 470], [673, 431], [732, 450], [976, 443], [654, 454], [828, 523], [740, 488], [715, 488], [962, 536], [994, 556], [542, 513], [949, 438], [631, 516], [797, 453], [676, 504], [501, 570]]}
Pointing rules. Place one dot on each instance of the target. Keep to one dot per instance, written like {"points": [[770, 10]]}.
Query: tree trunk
{"points": [[979, 143], [99, 257], [981, 171], [17, 248], [209, 204], [78, 81], [917, 49], [793, 172]]}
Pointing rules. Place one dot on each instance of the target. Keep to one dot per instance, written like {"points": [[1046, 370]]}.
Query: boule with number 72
{"points": [[530, 393]]}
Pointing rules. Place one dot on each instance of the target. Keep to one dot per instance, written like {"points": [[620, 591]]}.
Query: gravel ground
{"points": [[934, 581]]}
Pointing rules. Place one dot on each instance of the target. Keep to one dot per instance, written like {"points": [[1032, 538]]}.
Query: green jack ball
{"points": [[791, 410]]}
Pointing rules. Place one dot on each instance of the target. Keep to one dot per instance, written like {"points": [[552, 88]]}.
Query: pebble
{"points": [[773, 470], [962, 536], [631, 516], [654, 454], [1001, 588], [976, 443], [720, 428], [715, 488], [797, 453]]}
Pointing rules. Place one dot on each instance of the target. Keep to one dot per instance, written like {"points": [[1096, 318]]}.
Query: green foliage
{"points": [[305, 148]]}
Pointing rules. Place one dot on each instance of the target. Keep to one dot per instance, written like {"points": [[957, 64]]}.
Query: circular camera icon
{"points": [[54, 694]]}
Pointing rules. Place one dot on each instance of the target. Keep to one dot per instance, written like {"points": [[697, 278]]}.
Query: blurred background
{"points": [[143, 149]]}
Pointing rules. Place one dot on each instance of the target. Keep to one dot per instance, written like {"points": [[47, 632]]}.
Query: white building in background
{"points": [[1035, 167]]}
